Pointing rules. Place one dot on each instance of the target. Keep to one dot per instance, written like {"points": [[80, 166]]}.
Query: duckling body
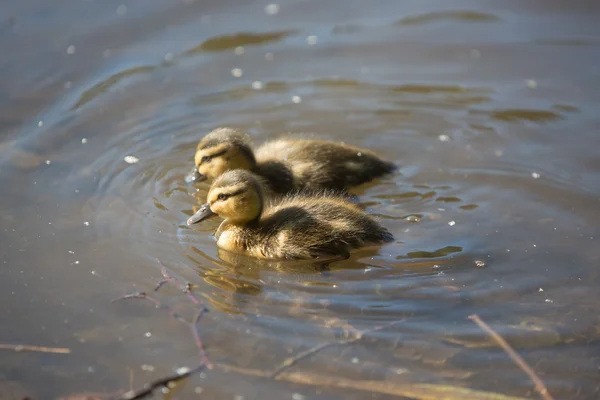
{"points": [[287, 164], [291, 227]]}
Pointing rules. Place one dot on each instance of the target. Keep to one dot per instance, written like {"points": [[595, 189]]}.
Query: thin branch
{"points": [[199, 343], [39, 349], [539, 385], [156, 302], [160, 383], [183, 286], [288, 362]]}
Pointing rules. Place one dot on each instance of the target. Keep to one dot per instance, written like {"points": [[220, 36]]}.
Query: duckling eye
{"points": [[222, 196], [205, 159]]}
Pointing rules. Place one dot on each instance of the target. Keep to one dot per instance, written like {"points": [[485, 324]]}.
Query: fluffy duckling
{"points": [[287, 164], [297, 227]]}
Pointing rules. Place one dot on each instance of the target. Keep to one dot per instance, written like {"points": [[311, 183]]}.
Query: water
{"points": [[489, 108]]}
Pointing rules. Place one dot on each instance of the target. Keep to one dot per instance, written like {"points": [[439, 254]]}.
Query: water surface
{"points": [[490, 109]]}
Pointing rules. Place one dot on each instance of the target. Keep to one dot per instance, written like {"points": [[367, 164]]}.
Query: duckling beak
{"points": [[203, 213], [194, 176]]}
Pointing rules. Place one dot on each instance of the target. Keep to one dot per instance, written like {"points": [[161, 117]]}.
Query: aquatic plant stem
{"points": [[39, 349], [288, 362], [539, 385]]}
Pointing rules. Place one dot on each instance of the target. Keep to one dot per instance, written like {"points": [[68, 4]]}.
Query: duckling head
{"points": [[222, 150], [236, 196]]}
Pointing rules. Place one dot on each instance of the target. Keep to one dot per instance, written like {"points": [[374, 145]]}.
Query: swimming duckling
{"points": [[292, 227], [287, 164]]}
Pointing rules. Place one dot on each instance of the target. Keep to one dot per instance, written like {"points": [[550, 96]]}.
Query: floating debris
{"points": [[479, 263], [452, 223], [257, 85], [444, 138], [312, 39], [532, 84], [237, 72], [272, 9], [71, 49], [131, 159], [296, 99], [86, 223], [83, 140], [535, 175], [239, 50]]}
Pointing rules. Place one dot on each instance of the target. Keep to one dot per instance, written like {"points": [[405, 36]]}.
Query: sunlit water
{"points": [[489, 109]]}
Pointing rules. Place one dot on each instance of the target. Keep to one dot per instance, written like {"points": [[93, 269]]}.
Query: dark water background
{"points": [[490, 108]]}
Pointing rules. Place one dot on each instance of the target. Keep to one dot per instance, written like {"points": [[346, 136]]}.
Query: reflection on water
{"points": [[488, 109]]}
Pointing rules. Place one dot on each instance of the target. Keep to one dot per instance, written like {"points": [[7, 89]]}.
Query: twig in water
{"points": [[288, 362], [156, 302], [539, 385], [184, 287], [199, 344], [150, 387], [40, 349]]}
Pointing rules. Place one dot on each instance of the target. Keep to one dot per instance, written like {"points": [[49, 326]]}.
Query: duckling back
{"points": [[310, 228], [318, 164]]}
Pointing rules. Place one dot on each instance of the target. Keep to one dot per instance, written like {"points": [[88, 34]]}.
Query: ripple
{"points": [[106, 84], [520, 114], [226, 42], [455, 16]]}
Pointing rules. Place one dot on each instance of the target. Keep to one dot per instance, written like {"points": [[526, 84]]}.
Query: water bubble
{"points": [[198, 390], [41, 123], [355, 360], [413, 218], [312, 39], [272, 9], [479, 263], [237, 72], [532, 84], [452, 223], [257, 85], [444, 138], [169, 57], [359, 154], [147, 367], [540, 290], [296, 99], [121, 10], [48, 162], [71, 49], [535, 175], [148, 334], [298, 396], [129, 159], [83, 140], [239, 50], [269, 56]]}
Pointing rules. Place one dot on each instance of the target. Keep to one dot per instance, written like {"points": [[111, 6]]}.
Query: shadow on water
{"points": [[489, 111]]}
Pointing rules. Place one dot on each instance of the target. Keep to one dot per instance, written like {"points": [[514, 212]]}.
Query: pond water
{"points": [[489, 108]]}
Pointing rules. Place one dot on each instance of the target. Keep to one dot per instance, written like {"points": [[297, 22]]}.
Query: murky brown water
{"points": [[489, 107]]}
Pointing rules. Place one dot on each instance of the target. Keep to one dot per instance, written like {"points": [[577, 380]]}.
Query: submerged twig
{"points": [[150, 387], [39, 349], [157, 303], [288, 362], [539, 385], [185, 287], [420, 391]]}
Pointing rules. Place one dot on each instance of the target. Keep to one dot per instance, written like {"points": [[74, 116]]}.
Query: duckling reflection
{"points": [[287, 164], [295, 227]]}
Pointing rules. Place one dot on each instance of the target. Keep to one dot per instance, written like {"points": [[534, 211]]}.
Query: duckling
{"points": [[291, 227], [287, 164]]}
